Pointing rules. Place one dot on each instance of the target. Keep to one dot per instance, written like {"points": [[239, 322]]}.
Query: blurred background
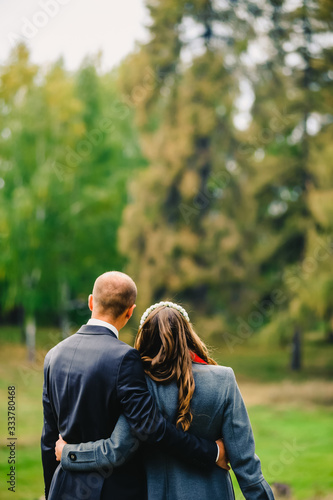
{"points": [[189, 144]]}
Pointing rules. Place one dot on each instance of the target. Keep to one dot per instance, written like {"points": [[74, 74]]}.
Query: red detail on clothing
{"points": [[197, 359]]}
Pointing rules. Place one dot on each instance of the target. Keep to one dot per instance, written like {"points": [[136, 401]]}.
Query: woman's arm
{"points": [[239, 444], [104, 454]]}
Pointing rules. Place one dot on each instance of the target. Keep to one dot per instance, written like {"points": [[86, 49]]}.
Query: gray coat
{"points": [[218, 410]]}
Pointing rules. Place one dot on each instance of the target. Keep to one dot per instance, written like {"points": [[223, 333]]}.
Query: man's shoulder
{"points": [[63, 344], [108, 343], [55, 351], [109, 348], [122, 349]]}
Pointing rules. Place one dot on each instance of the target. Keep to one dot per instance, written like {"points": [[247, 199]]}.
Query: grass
{"points": [[292, 424], [14, 370], [295, 446]]}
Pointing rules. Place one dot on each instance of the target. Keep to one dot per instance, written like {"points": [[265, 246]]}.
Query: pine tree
{"points": [[188, 232], [291, 103]]}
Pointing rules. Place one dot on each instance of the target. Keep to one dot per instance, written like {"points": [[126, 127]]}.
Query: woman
{"points": [[201, 397]]}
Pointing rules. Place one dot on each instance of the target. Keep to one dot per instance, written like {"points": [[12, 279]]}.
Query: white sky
{"points": [[72, 29]]}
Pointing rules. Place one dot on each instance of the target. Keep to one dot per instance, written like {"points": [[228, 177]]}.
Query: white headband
{"points": [[166, 304]]}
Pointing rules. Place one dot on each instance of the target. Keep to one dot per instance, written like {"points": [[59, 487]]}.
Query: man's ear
{"points": [[130, 311], [90, 302]]}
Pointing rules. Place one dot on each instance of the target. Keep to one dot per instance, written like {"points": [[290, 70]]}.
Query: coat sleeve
{"points": [[143, 422], [49, 434], [104, 454], [239, 444]]}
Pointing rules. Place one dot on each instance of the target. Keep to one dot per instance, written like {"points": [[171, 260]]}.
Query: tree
{"points": [[221, 216], [290, 105], [188, 232], [21, 219], [64, 188]]}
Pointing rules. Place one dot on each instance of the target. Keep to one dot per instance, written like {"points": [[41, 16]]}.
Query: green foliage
{"points": [[65, 163], [229, 104]]}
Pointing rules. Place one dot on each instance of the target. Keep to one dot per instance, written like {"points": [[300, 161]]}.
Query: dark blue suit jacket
{"points": [[89, 379]]}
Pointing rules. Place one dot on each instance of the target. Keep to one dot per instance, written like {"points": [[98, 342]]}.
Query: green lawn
{"points": [[296, 448], [28, 381], [295, 443]]}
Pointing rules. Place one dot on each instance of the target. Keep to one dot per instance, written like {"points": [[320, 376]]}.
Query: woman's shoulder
{"points": [[205, 376], [213, 384], [213, 372], [217, 369]]}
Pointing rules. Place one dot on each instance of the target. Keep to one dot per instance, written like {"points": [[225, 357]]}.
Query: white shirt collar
{"points": [[99, 322]]}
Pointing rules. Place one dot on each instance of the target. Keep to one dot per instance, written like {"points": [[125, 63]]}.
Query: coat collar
{"points": [[96, 330]]}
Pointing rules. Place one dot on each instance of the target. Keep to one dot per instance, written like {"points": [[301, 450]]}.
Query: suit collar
{"points": [[96, 330], [99, 322]]}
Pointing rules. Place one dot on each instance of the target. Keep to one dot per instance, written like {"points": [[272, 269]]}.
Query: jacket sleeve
{"points": [[49, 434], [143, 422], [104, 454], [239, 444]]}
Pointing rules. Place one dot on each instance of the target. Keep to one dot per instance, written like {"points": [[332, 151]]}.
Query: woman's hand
{"points": [[59, 447]]}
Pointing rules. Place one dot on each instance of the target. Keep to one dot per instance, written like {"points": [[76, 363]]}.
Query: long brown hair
{"points": [[164, 342]]}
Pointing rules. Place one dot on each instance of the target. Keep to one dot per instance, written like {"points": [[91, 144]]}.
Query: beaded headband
{"points": [[167, 304]]}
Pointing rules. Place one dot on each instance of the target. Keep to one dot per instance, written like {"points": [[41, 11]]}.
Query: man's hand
{"points": [[223, 459], [59, 447]]}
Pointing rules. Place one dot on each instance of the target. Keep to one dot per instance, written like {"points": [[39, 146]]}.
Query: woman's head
{"points": [[165, 342]]}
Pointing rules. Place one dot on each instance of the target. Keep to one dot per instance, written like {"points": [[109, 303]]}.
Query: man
{"points": [[89, 380]]}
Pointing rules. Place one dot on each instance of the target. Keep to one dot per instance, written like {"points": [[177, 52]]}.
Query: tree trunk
{"points": [[329, 333], [65, 325], [30, 336], [64, 316], [22, 325], [296, 353]]}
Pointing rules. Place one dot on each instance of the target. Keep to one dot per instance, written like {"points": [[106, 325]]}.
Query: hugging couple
{"points": [[160, 421]]}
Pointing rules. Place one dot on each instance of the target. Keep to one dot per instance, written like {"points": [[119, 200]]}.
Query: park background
{"points": [[201, 164]]}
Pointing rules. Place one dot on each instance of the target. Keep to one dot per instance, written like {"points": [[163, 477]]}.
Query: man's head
{"points": [[113, 298]]}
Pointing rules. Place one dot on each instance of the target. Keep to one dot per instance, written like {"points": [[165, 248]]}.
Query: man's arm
{"points": [[239, 443], [49, 434]]}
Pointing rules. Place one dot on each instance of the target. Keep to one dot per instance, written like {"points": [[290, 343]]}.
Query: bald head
{"points": [[113, 293]]}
